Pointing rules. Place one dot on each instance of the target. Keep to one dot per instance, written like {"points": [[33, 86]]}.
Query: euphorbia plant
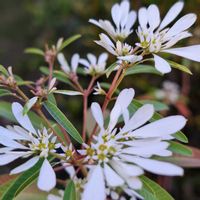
{"points": [[109, 160]]}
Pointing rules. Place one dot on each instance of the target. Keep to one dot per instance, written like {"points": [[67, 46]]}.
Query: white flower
{"points": [[156, 37], [64, 64], [120, 156], [123, 19], [170, 92], [98, 90], [26, 142], [123, 51], [94, 66], [68, 151]]}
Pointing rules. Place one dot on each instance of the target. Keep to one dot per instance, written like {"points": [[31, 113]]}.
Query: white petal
{"points": [[190, 52], [112, 178], [161, 65], [63, 63], [131, 20], [8, 158], [124, 8], [155, 166], [74, 62], [95, 187], [23, 120], [182, 24], [165, 126], [92, 58], [30, 103], [130, 58], [84, 62], [172, 14], [102, 58], [68, 92], [97, 114], [116, 14], [25, 166], [153, 16], [134, 183], [95, 22], [47, 177], [140, 117], [143, 17]]}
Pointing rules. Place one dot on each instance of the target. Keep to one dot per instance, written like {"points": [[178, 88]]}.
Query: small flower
{"points": [[94, 66], [156, 37], [26, 142], [123, 19], [68, 151], [64, 64], [98, 90], [120, 156], [123, 51]]}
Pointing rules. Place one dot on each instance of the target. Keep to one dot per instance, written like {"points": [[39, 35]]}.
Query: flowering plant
{"points": [[111, 156]]}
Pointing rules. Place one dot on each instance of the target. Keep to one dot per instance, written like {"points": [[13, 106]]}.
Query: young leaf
{"points": [[110, 69], [179, 148], [156, 190], [3, 70], [69, 41], [70, 191], [29, 105], [68, 92], [62, 120], [52, 99], [142, 69], [4, 92], [33, 50], [158, 106], [179, 66]]}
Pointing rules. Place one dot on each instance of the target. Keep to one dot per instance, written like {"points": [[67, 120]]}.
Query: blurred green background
{"points": [[26, 23]]}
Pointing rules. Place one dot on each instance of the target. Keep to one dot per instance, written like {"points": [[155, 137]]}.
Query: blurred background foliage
{"points": [[27, 23]]}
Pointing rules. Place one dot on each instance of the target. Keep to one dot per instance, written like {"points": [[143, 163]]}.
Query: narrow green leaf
{"points": [[156, 190], [110, 69], [179, 148], [52, 99], [20, 83], [23, 181], [70, 191], [181, 137], [62, 120], [57, 74], [158, 106], [3, 70], [179, 66], [4, 92], [29, 105], [142, 69], [33, 50], [69, 41]]}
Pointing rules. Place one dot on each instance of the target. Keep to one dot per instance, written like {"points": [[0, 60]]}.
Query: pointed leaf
{"points": [[62, 120], [179, 148], [33, 50], [3, 70], [110, 69], [4, 92], [70, 191]]}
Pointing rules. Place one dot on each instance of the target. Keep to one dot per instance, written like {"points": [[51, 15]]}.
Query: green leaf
{"points": [[33, 50], [158, 106], [57, 74], [69, 41], [155, 191], [4, 92], [23, 181], [29, 105], [179, 148], [107, 86], [70, 191], [110, 69], [52, 99], [142, 69], [4, 70], [179, 66], [20, 83], [63, 121], [136, 104]]}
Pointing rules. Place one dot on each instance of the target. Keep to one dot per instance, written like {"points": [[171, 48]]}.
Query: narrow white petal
{"points": [[155, 166], [131, 20], [84, 62], [161, 65], [130, 58], [182, 24], [116, 14], [68, 92], [63, 63], [92, 58], [95, 187], [102, 58], [8, 158], [172, 14], [140, 117], [134, 183], [124, 8], [190, 52], [23, 120], [25, 166], [95, 22], [112, 178], [97, 114], [47, 177], [74, 62], [159, 128], [143, 17], [153, 16]]}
